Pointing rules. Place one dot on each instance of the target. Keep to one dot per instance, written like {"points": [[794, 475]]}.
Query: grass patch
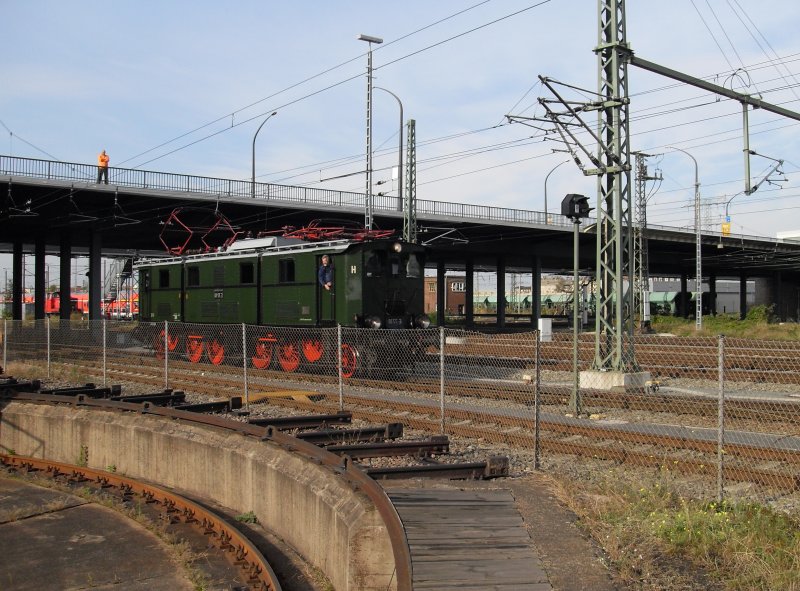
{"points": [[652, 533], [759, 324], [248, 517]]}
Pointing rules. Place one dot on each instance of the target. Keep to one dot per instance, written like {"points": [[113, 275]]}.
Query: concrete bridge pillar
{"points": [[95, 277], [501, 291], [440, 293], [469, 287], [65, 273], [39, 283], [742, 295], [18, 278], [536, 291]]}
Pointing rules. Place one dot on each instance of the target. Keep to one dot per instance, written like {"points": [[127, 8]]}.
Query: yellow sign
{"points": [[726, 229]]}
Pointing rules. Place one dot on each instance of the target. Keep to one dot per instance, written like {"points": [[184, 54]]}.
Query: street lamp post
{"points": [[399, 151], [368, 196], [698, 313], [552, 170], [253, 178]]}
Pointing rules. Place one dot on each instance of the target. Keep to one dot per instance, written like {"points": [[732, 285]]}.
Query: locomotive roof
{"points": [[248, 247]]}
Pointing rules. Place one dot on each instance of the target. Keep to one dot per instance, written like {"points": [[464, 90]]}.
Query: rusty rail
{"points": [[237, 549]]}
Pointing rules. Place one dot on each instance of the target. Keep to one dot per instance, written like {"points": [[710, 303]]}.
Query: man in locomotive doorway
{"points": [[325, 273]]}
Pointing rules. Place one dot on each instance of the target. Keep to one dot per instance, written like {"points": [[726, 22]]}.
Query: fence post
{"points": [[537, 401], [441, 379], [244, 367], [104, 350], [5, 345], [721, 421], [166, 355], [339, 365]]}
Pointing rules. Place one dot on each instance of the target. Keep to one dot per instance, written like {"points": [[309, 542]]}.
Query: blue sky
{"points": [[182, 87]]}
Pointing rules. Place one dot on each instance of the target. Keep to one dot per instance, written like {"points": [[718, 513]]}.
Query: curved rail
{"points": [[236, 547]]}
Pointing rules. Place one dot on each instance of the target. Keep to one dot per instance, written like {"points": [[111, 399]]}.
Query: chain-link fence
{"points": [[720, 410]]}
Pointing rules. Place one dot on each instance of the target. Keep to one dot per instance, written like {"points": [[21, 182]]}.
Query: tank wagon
{"points": [[273, 282]]}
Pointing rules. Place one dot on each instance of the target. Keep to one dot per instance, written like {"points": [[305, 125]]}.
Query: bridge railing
{"points": [[244, 189], [232, 188]]}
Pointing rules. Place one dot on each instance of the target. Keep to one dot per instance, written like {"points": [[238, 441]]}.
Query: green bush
{"points": [[761, 314]]}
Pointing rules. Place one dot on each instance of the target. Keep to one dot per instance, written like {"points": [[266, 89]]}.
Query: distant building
{"points": [[518, 297], [455, 295]]}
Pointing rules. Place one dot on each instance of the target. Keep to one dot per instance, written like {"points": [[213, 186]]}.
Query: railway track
{"points": [[694, 358], [756, 458], [227, 380]]}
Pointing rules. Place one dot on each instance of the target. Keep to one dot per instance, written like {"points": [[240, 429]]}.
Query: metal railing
{"points": [[242, 189]]}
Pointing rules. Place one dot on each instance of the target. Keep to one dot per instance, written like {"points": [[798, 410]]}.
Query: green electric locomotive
{"points": [[275, 282]]}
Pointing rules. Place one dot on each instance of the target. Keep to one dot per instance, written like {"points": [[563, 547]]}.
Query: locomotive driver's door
{"points": [[326, 298]]}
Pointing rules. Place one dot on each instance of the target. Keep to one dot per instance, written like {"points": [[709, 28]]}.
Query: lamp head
{"points": [[370, 39]]}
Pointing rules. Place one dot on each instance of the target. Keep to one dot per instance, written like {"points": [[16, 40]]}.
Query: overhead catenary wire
{"points": [[331, 86]]}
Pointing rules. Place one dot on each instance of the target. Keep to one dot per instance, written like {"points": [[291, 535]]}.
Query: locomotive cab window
{"points": [[193, 276], [163, 278], [247, 273], [286, 271], [395, 266], [375, 264], [413, 268]]}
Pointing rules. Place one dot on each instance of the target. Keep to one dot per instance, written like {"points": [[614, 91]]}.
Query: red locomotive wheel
{"points": [[288, 356], [194, 348], [215, 351], [349, 361], [158, 345], [263, 354], [312, 350]]}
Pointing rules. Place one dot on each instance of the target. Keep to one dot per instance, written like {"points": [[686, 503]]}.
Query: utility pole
{"points": [[641, 259]]}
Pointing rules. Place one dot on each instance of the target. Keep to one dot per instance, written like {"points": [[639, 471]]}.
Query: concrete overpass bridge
{"points": [[58, 208]]}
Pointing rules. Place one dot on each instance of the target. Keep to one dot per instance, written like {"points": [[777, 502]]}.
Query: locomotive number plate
{"points": [[394, 323]]}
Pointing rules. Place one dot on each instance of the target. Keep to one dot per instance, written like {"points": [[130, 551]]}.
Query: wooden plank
{"points": [[468, 540]]}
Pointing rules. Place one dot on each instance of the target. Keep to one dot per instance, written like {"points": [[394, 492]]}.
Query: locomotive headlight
{"points": [[397, 247], [422, 321], [372, 322]]}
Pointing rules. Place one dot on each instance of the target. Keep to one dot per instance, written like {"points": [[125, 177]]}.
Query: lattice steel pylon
{"points": [[410, 206], [613, 351]]}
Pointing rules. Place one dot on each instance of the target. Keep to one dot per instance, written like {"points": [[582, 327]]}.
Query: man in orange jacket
{"points": [[102, 166]]}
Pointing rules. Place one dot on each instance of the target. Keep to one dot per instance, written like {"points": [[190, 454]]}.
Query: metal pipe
{"points": [[399, 151], [575, 398], [698, 314], [545, 187]]}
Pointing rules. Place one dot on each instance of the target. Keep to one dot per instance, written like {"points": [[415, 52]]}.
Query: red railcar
{"points": [[79, 303], [121, 309]]}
